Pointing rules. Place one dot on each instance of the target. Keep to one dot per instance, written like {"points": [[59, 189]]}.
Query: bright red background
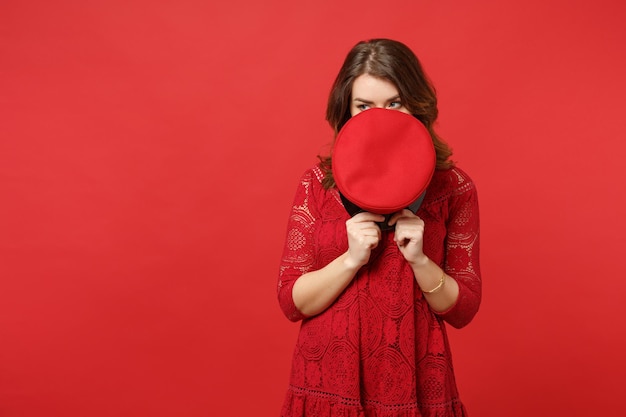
{"points": [[149, 151]]}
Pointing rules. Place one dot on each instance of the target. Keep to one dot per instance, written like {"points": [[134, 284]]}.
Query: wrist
{"points": [[349, 263], [419, 262], [442, 280]]}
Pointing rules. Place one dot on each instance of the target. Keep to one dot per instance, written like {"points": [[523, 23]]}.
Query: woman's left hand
{"points": [[409, 236]]}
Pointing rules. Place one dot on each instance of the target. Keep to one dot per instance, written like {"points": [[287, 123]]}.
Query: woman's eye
{"points": [[362, 107], [395, 105]]}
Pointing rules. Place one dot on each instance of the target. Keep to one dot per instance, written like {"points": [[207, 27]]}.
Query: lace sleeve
{"points": [[462, 254], [298, 252]]}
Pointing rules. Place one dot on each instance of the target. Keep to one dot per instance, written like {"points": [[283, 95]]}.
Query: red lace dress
{"points": [[379, 350]]}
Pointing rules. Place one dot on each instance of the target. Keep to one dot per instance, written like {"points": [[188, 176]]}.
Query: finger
{"points": [[412, 233], [402, 239], [370, 242], [408, 240], [367, 217], [368, 234], [401, 214], [364, 228]]}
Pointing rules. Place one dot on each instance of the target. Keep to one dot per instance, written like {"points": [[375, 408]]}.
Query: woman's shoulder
{"points": [[311, 181], [450, 182], [313, 174], [454, 176]]}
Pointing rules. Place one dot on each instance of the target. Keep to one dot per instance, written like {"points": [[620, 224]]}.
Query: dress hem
{"points": [[303, 402]]}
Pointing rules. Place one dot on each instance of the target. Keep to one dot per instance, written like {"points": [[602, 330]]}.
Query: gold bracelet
{"points": [[441, 281]]}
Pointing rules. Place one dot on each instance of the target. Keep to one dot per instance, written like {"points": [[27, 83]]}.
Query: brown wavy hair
{"points": [[393, 61]]}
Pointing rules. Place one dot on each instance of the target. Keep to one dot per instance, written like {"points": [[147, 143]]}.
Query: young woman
{"points": [[374, 303]]}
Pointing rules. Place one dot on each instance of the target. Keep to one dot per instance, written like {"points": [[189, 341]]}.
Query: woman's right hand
{"points": [[363, 236]]}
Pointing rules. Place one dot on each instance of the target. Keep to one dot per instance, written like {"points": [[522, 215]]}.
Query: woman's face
{"points": [[369, 92]]}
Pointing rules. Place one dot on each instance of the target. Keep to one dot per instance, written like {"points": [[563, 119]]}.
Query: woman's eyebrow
{"points": [[394, 98]]}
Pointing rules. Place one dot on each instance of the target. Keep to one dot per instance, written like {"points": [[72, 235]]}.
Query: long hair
{"points": [[393, 61]]}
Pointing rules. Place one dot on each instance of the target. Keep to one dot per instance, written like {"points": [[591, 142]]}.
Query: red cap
{"points": [[383, 160]]}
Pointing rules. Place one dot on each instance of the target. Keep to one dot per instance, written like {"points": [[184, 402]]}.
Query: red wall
{"points": [[149, 151]]}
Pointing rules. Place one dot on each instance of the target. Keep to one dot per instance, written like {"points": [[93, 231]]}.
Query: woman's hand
{"points": [[363, 236], [409, 236]]}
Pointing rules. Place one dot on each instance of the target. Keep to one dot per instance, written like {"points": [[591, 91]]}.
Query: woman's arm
{"points": [[458, 297], [315, 291], [440, 290], [303, 290]]}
